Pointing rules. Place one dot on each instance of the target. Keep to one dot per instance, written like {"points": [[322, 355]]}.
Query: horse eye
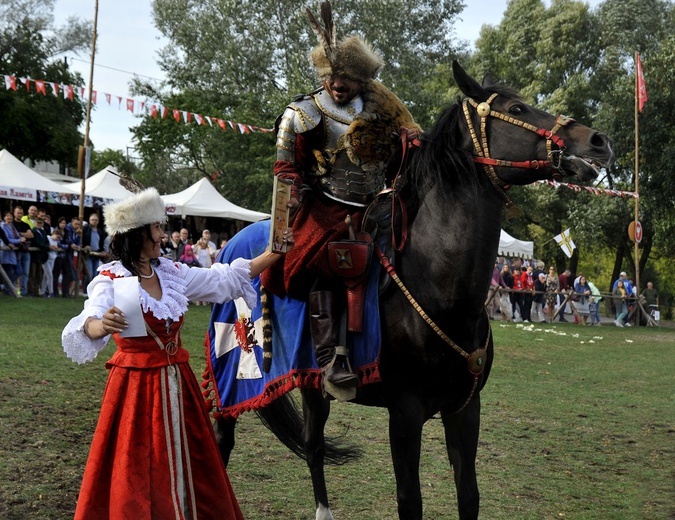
{"points": [[516, 110]]}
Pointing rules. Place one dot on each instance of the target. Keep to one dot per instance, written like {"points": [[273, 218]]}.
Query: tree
{"points": [[38, 126], [245, 61]]}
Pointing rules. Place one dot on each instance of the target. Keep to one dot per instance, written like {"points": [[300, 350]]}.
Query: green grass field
{"points": [[577, 423]]}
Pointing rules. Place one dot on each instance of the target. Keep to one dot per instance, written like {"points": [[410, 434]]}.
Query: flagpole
{"points": [[81, 157], [637, 162]]}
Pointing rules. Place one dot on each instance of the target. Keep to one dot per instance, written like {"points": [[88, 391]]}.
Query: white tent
{"points": [[509, 246], [104, 184], [18, 181], [203, 200]]}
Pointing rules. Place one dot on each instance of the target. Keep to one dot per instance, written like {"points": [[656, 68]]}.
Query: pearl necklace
{"points": [[148, 276]]}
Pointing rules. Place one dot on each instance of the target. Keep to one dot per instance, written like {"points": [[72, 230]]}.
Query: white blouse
{"points": [[180, 284]]}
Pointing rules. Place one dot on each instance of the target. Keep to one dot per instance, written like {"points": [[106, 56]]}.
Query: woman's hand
{"points": [[113, 321]]}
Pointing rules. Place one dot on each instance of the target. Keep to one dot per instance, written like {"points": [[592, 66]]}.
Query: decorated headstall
{"points": [[480, 143]]}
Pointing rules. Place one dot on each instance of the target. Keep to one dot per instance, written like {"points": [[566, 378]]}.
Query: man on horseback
{"points": [[334, 145]]}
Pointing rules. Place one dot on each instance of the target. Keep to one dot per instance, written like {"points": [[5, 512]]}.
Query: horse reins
{"points": [[480, 144]]}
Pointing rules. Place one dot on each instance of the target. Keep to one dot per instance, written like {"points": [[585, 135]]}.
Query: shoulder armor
{"points": [[306, 115]]}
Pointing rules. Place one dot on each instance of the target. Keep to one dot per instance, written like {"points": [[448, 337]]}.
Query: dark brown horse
{"points": [[437, 361]]}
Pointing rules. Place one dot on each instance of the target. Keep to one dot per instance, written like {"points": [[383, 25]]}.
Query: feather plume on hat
{"points": [[147, 207]]}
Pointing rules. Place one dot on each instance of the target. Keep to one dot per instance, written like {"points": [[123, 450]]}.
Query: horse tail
{"points": [[284, 419]]}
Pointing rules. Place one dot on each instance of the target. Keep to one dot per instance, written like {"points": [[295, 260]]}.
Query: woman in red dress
{"points": [[154, 453]]}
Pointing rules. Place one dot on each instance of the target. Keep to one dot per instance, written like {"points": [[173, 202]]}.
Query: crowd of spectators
{"points": [[45, 261]]}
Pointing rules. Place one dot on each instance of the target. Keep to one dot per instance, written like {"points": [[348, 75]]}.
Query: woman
{"points": [[204, 252], [61, 267], [620, 294], [552, 288], [583, 292], [154, 453], [8, 258]]}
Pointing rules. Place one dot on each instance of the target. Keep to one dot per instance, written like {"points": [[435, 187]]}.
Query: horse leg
{"points": [[406, 419], [461, 439], [224, 429], [315, 410]]}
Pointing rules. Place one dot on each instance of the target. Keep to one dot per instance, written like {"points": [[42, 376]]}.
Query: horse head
{"points": [[518, 144]]}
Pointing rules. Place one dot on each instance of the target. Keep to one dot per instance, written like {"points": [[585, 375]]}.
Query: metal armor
{"points": [[339, 178]]}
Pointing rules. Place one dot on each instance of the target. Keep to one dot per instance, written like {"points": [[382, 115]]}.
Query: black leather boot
{"points": [[323, 327]]}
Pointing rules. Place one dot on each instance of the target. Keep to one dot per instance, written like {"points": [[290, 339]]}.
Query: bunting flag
{"points": [[136, 107], [641, 87], [564, 240]]}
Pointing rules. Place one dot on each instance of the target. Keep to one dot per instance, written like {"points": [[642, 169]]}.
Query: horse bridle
{"points": [[480, 144]]}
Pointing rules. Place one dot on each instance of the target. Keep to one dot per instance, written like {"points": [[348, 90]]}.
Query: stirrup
{"points": [[344, 389]]}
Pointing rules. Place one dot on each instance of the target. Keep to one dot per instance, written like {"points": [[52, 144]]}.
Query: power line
{"points": [[116, 70]]}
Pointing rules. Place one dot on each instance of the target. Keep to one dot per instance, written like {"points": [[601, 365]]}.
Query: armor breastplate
{"points": [[343, 180]]}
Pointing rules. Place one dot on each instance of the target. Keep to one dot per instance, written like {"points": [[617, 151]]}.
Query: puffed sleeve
{"points": [[220, 282], [76, 344]]}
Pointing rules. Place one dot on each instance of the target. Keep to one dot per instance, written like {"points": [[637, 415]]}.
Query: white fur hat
{"points": [[143, 208]]}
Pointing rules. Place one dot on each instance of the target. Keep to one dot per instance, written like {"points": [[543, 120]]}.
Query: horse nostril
{"points": [[599, 140]]}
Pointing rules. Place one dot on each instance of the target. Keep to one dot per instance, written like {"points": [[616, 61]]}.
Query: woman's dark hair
{"points": [[127, 247]]}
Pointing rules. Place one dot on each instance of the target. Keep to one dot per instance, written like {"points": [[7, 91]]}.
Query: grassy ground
{"points": [[577, 423]]}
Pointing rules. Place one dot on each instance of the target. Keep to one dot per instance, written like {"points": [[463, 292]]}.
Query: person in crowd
{"points": [[30, 217], [620, 295], [74, 239], [185, 236], [23, 255], [517, 295], [189, 258], [206, 235], [154, 452], [204, 252], [594, 304], [506, 298], [334, 146], [176, 245], [165, 246], [93, 240], [527, 279], [651, 296], [47, 285], [61, 267], [563, 290], [8, 258], [47, 219], [538, 301], [496, 282], [552, 290], [627, 284], [583, 292], [38, 256], [223, 243]]}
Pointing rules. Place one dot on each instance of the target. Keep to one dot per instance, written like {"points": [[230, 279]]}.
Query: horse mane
{"points": [[440, 158]]}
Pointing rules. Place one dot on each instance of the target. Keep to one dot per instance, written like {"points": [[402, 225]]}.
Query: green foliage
{"points": [[39, 127]]}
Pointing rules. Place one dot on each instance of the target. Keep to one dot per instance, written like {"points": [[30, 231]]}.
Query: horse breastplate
{"points": [[341, 179]]}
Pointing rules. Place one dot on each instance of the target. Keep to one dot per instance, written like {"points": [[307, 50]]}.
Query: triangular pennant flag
{"points": [[130, 105], [641, 87], [176, 115], [81, 92], [68, 91], [186, 116], [55, 88], [26, 82], [142, 109], [10, 82], [564, 240], [242, 128], [153, 111], [119, 102], [198, 119], [221, 123], [209, 120], [93, 97], [107, 97], [40, 87], [165, 112]]}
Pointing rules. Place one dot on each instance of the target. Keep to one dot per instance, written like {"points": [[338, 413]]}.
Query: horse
{"points": [[437, 347]]}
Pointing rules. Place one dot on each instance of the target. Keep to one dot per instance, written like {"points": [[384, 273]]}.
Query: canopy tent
{"points": [[203, 200], [18, 181], [104, 184], [509, 246]]}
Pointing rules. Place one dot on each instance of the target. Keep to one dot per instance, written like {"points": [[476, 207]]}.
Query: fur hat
{"points": [[146, 207], [353, 57]]}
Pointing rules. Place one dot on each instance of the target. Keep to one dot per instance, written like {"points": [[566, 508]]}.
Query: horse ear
{"points": [[487, 80], [467, 84]]}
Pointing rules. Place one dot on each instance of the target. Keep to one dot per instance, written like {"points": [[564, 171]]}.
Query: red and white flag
{"points": [[641, 88]]}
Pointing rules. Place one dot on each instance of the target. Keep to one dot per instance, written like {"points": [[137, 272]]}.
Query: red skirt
{"points": [[154, 453]]}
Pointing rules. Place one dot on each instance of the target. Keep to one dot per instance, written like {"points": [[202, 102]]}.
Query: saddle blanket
{"points": [[235, 381]]}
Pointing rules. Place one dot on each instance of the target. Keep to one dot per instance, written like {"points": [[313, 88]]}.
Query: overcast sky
{"points": [[128, 43]]}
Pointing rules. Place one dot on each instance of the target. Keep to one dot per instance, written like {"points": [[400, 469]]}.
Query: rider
{"points": [[334, 145]]}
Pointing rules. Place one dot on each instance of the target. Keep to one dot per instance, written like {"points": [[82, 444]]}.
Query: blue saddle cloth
{"points": [[234, 378]]}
